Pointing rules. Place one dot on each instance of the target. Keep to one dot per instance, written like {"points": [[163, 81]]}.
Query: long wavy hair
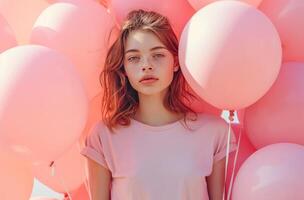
{"points": [[119, 99]]}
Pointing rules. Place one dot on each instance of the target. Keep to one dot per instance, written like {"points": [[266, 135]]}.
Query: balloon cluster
{"points": [[238, 55]]}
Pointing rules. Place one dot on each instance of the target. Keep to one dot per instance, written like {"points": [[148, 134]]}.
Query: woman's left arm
{"points": [[215, 181]]}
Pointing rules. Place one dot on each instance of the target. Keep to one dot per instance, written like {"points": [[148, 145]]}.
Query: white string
{"points": [[60, 180], [234, 163], [227, 159]]}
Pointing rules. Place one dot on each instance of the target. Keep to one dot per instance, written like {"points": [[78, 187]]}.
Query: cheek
{"points": [[131, 75], [169, 68], [167, 75], [129, 71]]}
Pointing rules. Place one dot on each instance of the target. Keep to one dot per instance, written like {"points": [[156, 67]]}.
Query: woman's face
{"points": [[146, 55]]}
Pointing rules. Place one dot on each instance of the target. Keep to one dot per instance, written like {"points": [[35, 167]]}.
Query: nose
{"points": [[146, 65]]}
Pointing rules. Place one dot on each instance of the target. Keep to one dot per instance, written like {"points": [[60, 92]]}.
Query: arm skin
{"points": [[99, 179], [215, 181]]}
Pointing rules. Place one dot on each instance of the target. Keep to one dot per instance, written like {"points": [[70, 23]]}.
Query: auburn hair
{"points": [[119, 99]]}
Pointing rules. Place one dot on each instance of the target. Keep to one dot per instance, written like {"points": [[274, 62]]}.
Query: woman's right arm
{"points": [[99, 179]]}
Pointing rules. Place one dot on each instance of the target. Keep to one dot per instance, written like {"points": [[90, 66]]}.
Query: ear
{"points": [[176, 68]]}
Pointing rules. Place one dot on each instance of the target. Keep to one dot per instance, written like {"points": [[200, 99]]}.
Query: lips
{"points": [[148, 77]]}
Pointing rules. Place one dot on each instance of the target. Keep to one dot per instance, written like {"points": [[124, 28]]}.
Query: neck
{"points": [[152, 111]]}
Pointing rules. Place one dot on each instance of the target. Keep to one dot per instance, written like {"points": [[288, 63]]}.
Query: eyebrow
{"points": [[152, 49]]}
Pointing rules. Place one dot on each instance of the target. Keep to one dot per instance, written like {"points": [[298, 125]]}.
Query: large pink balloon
{"points": [[42, 198], [287, 16], [43, 103], [178, 11], [230, 59], [198, 4], [93, 117], [80, 30], [199, 105], [7, 36], [21, 16], [273, 172], [17, 178], [279, 115], [69, 171]]}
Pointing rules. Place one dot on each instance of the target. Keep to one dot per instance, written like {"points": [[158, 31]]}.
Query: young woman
{"points": [[149, 144]]}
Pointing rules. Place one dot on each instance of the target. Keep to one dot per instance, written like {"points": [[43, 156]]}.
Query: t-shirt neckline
{"points": [[156, 128]]}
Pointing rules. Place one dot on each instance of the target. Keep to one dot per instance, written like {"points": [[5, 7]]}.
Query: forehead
{"points": [[142, 40]]}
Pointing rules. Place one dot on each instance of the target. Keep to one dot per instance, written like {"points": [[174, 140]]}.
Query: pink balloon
{"points": [[42, 198], [80, 30], [21, 16], [279, 115], [201, 106], [246, 149], [7, 36], [178, 11], [198, 4], [102, 2], [225, 56], [287, 16], [273, 172], [240, 116], [93, 117], [17, 178], [80, 194], [69, 171], [43, 103]]}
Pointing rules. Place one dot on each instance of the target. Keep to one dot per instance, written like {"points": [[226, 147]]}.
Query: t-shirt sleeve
{"points": [[221, 141], [93, 148]]}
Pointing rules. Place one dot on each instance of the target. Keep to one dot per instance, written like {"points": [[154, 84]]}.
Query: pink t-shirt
{"points": [[166, 162]]}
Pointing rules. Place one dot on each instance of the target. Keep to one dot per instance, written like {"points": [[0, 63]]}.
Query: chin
{"points": [[151, 91]]}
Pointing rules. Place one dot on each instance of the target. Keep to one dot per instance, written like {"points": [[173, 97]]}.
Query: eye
{"points": [[158, 55], [133, 58]]}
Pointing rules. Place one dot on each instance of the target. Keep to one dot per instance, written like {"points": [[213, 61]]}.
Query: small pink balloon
{"points": [[287, 16], [28, 11], [17, 178], [224, 58], [273, 172], [7, 35], [69, 171], [198, 4], [279, 115], [178, 11], [43, 103], [80, 30]]}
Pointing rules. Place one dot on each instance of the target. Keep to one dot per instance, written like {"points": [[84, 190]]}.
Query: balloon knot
{"points": [[231, 115], [52, 163]]}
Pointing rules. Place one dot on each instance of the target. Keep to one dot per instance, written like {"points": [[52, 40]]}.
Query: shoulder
{"points": [[98, 126], [97, 129]]}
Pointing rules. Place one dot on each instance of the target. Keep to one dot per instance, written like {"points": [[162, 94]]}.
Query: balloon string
{"points": [[227, 153], [52, 165], [234, 163]]}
